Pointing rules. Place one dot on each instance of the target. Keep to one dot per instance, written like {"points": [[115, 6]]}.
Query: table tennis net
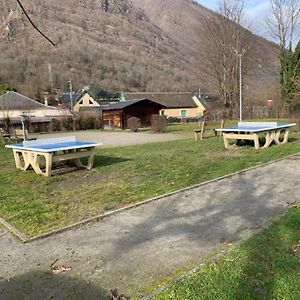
{"points": [[49, 141]]}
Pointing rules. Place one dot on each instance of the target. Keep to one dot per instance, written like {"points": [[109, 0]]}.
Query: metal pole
{"points": [[241, 98], [23, 127], [71, 95]]}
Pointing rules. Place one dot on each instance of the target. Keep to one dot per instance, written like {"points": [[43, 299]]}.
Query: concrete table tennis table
{"points": [[28, 153], [252, 130]]}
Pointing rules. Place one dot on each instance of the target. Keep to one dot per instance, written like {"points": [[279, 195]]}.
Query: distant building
{"points": [[178, 105], [14, 105], [117, 114], [85, 101], [67, 98]]}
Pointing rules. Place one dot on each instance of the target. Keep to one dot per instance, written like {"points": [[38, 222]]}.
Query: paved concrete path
{"points": [[137, 247]]}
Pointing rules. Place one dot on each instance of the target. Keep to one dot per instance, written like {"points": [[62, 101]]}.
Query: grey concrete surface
{"points": [[135, 248], [115, 137]]}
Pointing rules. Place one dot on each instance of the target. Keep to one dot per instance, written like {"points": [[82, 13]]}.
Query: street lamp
{"points": [[240, 55], [71, 94]]}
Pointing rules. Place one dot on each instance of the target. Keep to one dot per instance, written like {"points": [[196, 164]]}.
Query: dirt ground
{"points": [[137, 248], [115, 138]]}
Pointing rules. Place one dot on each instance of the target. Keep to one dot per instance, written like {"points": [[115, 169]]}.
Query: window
{"points": [[183, 113]]}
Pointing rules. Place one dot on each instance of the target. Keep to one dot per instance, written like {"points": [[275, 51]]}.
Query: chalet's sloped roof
{"points": [[15, 101], [66, 97], [169, 100], [123, 104]]}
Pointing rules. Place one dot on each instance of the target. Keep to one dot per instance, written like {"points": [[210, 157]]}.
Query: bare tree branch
{"points": [[226, 38], [284, 21], [283, 24], [34, 26]]}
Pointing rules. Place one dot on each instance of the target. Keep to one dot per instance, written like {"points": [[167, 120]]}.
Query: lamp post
{"points": [[71, 94], [240, 55], [23, 126]]}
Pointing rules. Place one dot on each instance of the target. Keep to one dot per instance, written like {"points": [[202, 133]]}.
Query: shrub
{"points": [[55, 125], [7, 124], [28, 123], [40, 127], [90, 122], [87, 120], [78, 121], [159, 123], [296, 119], [134, 124], [67, 123]]}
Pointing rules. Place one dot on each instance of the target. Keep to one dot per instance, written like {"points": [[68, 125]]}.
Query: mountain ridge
{"points": [[137, 45]]}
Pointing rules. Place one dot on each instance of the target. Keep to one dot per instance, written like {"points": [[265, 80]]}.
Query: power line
{"points": [[34, 26]]}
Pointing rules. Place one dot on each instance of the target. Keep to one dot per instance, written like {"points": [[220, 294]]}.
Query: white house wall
{"points": [[45, 113]]}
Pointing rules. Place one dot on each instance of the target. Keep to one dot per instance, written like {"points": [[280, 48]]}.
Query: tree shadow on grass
{"points": [[103, 161], [99, 161], [293, 139], [44, 285], [262, 141]]}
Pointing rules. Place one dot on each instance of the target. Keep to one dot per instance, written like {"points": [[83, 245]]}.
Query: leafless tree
{"points": [[33, 25], [283, 24], [6, 115], [227, 39], [284, 21]]}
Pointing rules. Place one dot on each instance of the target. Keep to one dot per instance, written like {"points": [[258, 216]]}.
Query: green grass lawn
{"points": [[35, 204], [267, 266]]}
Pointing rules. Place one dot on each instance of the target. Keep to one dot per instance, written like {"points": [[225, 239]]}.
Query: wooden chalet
{"points": [[182, 104], [117, 114], [178, 104]]}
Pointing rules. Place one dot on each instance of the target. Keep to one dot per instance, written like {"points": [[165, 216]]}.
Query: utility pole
{"points": [[241, 98], [71, 94], [240, 55], [50, 76]]}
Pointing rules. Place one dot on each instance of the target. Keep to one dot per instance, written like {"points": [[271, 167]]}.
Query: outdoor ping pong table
{"points": [[251, 131], [28, 153]]}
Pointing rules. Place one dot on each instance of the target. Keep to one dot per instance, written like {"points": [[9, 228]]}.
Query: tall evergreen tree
{"points": [[287, 75], [295, 104], [296, 60], [283, 23]]}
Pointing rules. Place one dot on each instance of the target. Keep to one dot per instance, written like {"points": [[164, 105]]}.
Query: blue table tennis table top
{"points": [[255, 127], [55, 146]]}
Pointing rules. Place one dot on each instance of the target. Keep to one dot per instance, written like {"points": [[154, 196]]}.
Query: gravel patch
{"points": [[115, 138]]}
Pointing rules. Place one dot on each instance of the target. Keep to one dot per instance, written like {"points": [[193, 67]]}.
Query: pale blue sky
{"points": [[256, 11], [250, 3]]}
